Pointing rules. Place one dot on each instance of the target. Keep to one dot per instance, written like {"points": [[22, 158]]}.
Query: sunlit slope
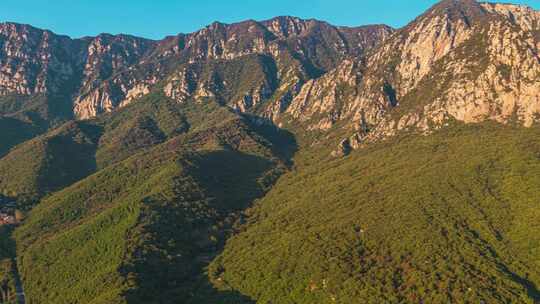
{"points": [[450, 217]]}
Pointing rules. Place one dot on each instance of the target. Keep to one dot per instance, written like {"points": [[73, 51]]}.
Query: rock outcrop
{"points": [[489, 71], [100, 74], [461, 60]]}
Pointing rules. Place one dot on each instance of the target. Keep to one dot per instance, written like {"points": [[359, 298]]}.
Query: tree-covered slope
{"points": [[141, 230], [76, 149], [14, 132], [152, 121], [447, 218], [49, 162], [7, 278]]}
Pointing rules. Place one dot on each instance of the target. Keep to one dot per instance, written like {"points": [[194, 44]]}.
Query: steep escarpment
{"points": [[290, 51], [38, 62], [308, 72], [492, 75], [461, 60], [82, 78]]}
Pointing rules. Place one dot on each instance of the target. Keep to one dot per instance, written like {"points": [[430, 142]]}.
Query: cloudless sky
{"points": [[158, 18]]}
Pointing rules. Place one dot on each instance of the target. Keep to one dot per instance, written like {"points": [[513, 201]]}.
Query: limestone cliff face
{"points": [[323, 98], [396, 67], [33, 61], [461, 60], [294, 51], [492, 74], [104, 57], [100, 74]]}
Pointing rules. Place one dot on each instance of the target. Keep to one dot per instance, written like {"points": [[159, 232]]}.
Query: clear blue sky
{"points": [[158, 18]]}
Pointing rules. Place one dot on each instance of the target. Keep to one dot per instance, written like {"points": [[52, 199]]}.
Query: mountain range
{"points": [[277, 161]]}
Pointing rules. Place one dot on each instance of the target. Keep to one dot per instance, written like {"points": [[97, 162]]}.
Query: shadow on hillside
{"points": [[233, 179], [238, 179], [532, 290], [10, 283], [14, 132], [188, 232], [50, 162], [206, 293], [7, 244], [70, 158], [283, 142]]}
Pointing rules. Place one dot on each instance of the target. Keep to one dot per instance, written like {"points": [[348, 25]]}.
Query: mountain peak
{"points": [[286, 26], [469, 10], [8, 28], [457, 3]]}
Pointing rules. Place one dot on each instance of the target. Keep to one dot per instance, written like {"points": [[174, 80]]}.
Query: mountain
{"points": [[277, 161], [461, 60], [84, 77]]}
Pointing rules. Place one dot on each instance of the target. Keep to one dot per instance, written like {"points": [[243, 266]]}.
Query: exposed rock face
{"points": [[399, 64], [461, 60], [104, 57], [493, 74], [103, 73], [294, 51], [347, 145], [32, 61], [324, 96]]}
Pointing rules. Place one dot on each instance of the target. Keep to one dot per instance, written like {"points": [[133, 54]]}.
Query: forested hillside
{"points": [[445, 218]]}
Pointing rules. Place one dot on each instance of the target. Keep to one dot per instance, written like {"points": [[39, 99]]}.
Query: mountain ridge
{"points": [[105, 56]]}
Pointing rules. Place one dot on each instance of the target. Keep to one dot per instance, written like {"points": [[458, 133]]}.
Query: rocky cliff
{"points": [[461, 60], [33, 61], [100, 74]]}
